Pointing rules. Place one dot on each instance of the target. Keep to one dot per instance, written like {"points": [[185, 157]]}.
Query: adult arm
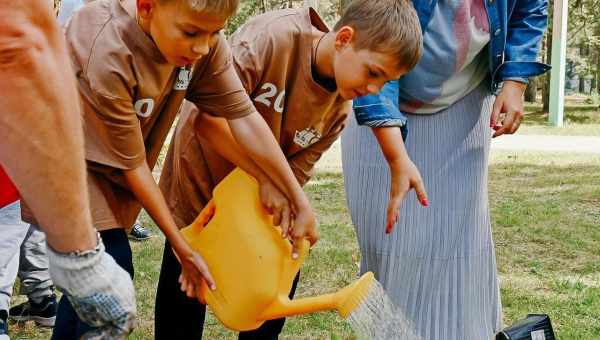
{"points": [[525, 29], [42, 140], [42, 151]]}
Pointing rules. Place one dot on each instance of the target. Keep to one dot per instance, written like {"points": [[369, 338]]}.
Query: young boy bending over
{"points": [[135, 62], [301, 78]]}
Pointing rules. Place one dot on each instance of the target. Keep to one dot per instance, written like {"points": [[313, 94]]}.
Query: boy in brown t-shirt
{"points": [[135, 62], [301, 78]]}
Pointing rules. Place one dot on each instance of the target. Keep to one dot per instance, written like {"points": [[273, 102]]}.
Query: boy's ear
{"points": [[343, 37], [145, 7]]}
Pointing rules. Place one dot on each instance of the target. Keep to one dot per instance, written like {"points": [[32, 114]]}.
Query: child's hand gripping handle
{"points": [[292, 265], [195, 228]]}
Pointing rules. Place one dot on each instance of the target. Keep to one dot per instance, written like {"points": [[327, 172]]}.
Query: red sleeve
{"points": [[8, 191]]}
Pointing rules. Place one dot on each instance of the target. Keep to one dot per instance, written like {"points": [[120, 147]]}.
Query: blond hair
{"points": [[385, 26], [222, 8]]}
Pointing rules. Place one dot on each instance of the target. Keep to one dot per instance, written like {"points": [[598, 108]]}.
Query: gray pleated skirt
{"points": [[438, 265]]}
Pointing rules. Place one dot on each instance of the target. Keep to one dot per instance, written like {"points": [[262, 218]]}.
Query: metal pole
{"points": [[559, 51]]}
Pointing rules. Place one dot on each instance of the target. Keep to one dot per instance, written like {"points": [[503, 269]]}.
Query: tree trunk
{"points": [[531, 90], [546, 88], [581, 84], [263, 5], [597, 73]]}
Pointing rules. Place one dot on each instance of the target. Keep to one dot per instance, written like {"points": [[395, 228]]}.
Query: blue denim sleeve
{"points": [[380, 110], [525, 30]]}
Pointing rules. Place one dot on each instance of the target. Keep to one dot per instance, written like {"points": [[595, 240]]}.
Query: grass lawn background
{"points": [[546, 215]]}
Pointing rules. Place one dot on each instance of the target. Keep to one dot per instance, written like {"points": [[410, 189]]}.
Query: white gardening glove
{"points": [[100, 291]]}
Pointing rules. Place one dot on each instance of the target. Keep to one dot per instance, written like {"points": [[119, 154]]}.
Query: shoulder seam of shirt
{"points": [[93, 46], [92, 55]]}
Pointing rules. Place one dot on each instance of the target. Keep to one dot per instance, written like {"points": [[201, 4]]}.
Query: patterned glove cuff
{"points": [[77, 260]]}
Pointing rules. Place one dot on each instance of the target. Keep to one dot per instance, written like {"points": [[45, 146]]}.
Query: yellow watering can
{"points": [[252, 264]]}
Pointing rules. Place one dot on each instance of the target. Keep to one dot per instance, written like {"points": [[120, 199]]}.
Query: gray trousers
{"points": [[22, 253]]}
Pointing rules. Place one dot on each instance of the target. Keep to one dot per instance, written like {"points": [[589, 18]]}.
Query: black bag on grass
{"points": [[533, 327]]}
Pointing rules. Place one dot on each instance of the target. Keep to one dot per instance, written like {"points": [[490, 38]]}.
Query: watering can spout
{"points": [[345, 301], [284, 307]]}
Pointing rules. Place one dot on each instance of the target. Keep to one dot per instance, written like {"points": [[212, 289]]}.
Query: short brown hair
{"points": [[385, 26], [222, 8]]}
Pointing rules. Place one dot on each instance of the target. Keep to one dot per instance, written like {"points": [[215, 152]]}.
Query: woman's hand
{"points": [[404, 176], [509, 104], [277, 205]]}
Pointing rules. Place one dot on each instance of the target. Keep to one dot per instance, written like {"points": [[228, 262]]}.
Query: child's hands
{"points": [[405, 176], [193, 271], [193, 267], [277, 205], [304, 226]]}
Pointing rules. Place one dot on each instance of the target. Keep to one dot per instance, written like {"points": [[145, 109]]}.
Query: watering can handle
{"points": [[204, 217], [293, 265]]}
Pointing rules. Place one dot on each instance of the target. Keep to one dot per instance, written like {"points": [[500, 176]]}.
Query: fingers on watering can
{"points": [[313, 236], [296, 248], [203, 268], [198, 294], [190, 290], [276, 217], [194, 282], [182, 283], [186, 286], [285, 221]]}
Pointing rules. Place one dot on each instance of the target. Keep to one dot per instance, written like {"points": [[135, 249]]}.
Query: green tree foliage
{"points": [[329, 10]]}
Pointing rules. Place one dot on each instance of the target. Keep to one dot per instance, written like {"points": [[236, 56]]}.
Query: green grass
{"points": [[545, 210], [546, 213], [579, 120]]}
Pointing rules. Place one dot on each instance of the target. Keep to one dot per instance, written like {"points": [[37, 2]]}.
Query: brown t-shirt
{"points": [[130, 96], [272, 54]]}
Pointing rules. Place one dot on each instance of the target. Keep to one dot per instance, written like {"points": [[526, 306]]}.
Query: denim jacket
{"points": [[516, 29]]}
